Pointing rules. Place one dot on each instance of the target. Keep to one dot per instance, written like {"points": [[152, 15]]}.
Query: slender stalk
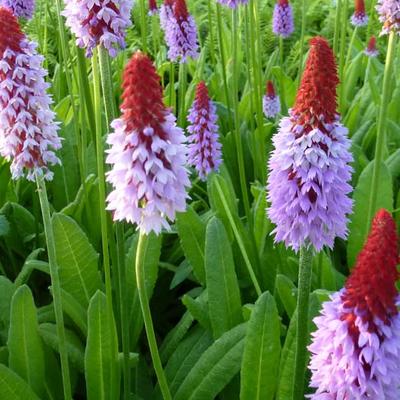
{"points": [[172, 86], [100, 174], [109, 105], [182, 93], [238, 239], [143, 23], [148, 323], [223, 65], [349, 50], [343, 37], [381, 127], [211, 30], [56, 285], [338, 17], [155, 34], [303, 296], [303, 30], [281, 52], [235, 92]]}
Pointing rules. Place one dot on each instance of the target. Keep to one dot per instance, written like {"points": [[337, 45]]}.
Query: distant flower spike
{"points": [[309, 168], [205, 149], [359, 18], [147, 153], [153, 9], [20, 8], [271, 102], [166, 13], [99, 22], [389, 15], [28, 132], [371, 50], [282, 20], [233, 3], [180, 32], [356, 347]]}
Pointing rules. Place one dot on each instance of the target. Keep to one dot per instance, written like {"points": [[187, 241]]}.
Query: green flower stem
{"points": [[223, 65], [381, 127], [235, 93], [172, 86], [110, 109], [148, 323], [338, 17], [56, 285], [101, 177], [155, 27], [303, 31], [211, 30], [143, 23], [182, 93], [304, 287], [238, 239], [349, 50]]}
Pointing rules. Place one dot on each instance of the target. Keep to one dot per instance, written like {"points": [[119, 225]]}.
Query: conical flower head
{"points": [[147, 153], [282, 20], [389, 15], [359, 18], [28, 133], [309, 168], [233, 3], [371, 50], [153, 9], [356, 347], [204, 148], [99, 22], [271, 102], [20, 8], [180, 32]]}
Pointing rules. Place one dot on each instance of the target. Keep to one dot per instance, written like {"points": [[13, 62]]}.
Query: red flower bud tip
{"points": [[372, 43], [270, 89], [316, 97], [359, 7], [169, 3], [153, 5], [142, 95], [181, 12], [10, 31], [283, 3], [202, 96], [371, 287]]}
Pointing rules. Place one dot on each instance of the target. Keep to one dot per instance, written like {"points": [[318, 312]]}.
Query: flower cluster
{"points": [[205, 149], [282, 20], [147, 153], [180, 31], [20, 8], [359, 18], [28, 132], [99, 22], [371, 50], [233, 3], [309, 168], [389, 15], [356, 345], [271, 102], [153, 9]]}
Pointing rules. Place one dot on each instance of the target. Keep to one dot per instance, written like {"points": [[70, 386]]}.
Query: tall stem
{"points": [[303, 296], [148, 323], [235, 92], [172, 86], [109, 105], [223, 65], [211, 30], [303, 30], [100, 174], [381, 127], [55, 281], [182, 93], [143, 22], [349, 50], [343, 37], [338, 17]]}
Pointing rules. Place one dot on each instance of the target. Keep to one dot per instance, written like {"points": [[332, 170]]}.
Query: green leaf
{"points": [[259, 375], [222, 285], [359, 224], [12, 387], [7, 289], [74, 310], [101, 356], [287, 293], [76, 259], [192, 233], [26, 356], [198, 308], [215, 368], [48, 332]]}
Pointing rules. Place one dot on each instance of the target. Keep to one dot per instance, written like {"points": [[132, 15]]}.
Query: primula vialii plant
{"points": [[283, 22], [271, 101], [100, 22], [20, 8], [355, 349], [359, 18], [147, 153]]}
